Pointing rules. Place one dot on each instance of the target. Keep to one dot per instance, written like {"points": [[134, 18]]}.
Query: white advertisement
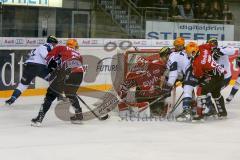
{"points": [[193, 31], [43, 3]]}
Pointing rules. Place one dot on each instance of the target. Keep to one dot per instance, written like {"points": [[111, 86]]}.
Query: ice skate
{"points": [[77, 118], [37, 122], [212, 112], [10, 101], [186, 115], [229, 99]]}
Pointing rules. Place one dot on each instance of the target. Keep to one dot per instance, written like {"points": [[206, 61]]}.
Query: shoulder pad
{"points": [[48, 46]]}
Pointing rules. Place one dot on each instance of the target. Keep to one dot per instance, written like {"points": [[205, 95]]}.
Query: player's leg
{"points": [[188, 89], [218, 98], [49, 98], [209, 109], [28, 75], [70, 89], [226, 82], [186, 114], [234, 90]]}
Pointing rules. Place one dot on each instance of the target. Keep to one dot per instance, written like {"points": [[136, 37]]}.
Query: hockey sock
{"points": [[187, 103], [50, 97], [75, 103], [16, 94], [235, 88], [233, 91]]}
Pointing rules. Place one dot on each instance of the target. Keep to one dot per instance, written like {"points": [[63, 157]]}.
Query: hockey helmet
{"points": [[179, 43], [164, 51], [52, 39], [72, 43], [191, 49], [213, 42]]}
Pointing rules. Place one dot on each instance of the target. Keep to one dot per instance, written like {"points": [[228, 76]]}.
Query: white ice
{"points": [[114, 139]]}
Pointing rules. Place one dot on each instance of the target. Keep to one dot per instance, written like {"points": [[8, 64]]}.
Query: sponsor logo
{"points": [[31, 42], [19, 41], [205, 56], [9, 41], [187, 36], [11, 69], [106, 67], [41, 41]]}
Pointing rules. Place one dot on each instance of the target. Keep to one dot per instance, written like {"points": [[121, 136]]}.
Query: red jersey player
{"points": [[66, 63], [146, 76], [210, 75]]}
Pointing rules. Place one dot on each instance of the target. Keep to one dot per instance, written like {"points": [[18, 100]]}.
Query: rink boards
{"points": [[100, 60]]}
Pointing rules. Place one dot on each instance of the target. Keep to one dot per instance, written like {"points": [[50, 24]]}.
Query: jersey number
{"points": [[32, 53], [181, 54]]}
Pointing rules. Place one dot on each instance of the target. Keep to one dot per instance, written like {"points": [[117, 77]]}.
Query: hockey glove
{"points": [[166, 88], [216, 53], [54, 63], [204, 81]]}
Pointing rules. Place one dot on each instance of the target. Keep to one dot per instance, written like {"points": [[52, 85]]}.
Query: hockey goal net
{"points": [[131, 57]]}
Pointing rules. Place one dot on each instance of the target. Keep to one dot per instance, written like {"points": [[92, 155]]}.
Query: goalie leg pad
{"points": [[221, 106]]}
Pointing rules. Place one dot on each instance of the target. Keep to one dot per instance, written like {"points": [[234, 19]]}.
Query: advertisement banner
{"points": [[100, 58], [11, 68], [38, 3], [193, 31]]}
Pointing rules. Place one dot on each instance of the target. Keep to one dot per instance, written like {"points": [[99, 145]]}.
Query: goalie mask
{"points": [[192, 49]]}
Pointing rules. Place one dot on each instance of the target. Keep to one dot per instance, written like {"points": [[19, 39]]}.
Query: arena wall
{"points": [[99, 56]]}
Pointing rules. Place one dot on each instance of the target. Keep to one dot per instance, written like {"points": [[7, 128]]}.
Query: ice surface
{"points": [[114, 139]]}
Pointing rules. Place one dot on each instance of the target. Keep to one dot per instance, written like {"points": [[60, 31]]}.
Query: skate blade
{"points": [[212, 117], [77, 122], [198, 121], [222, 118], [183, 120], [36, 124], [228, 102]]}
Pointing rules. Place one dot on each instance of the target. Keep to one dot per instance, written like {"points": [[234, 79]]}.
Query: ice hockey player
{"points": [[146, 76], [236, 86], [66, 63], [210, 75], [221, 56], [179, 44], [35, 66], [179, 67]]}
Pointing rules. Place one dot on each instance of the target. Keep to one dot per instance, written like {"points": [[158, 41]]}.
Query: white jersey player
{"points": [[179, 67], [236, 86], [34, 66]]}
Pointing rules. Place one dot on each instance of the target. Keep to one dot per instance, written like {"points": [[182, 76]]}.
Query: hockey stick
{"points": [[176, 104], [159, 98], [89, 108]]}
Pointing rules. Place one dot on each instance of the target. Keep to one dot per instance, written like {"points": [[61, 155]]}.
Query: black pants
{"points": [[32, 70], [214, 86], [68, 86]]}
